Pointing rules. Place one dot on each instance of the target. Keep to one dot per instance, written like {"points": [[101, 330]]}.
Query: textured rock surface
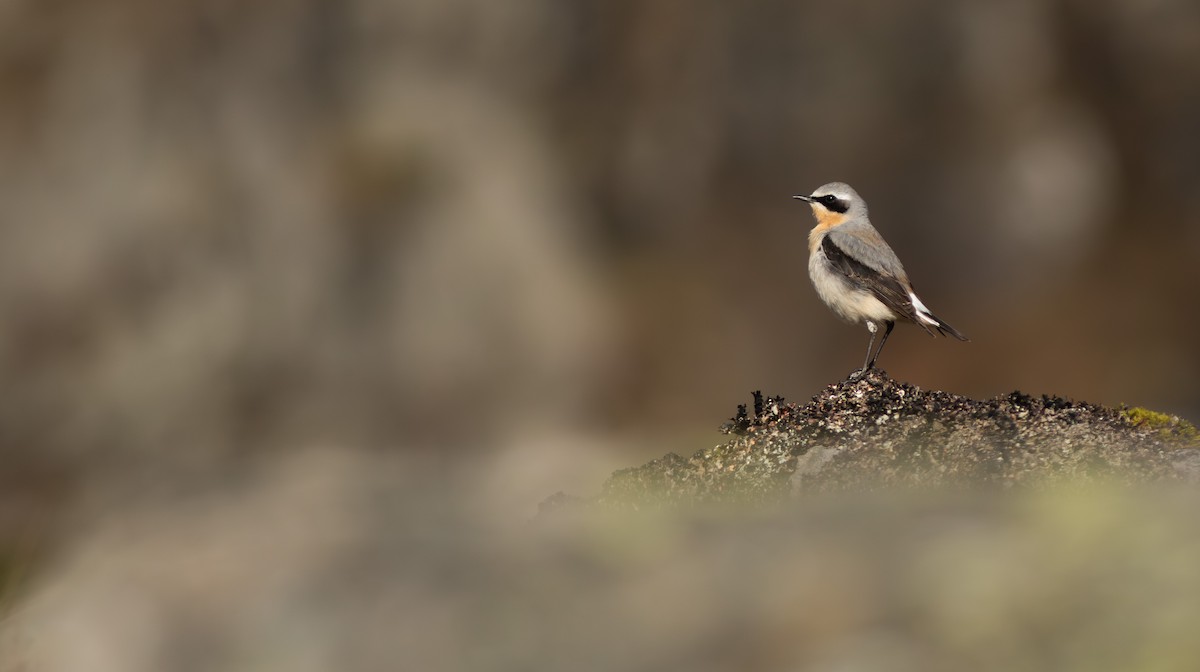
{"points": [[874, 431]]}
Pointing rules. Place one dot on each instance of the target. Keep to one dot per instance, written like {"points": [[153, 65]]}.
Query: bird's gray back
{"points": [[861, 241]]}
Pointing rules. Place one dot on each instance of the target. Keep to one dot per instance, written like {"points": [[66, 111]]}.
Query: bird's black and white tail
{"points": [[927, 319]]}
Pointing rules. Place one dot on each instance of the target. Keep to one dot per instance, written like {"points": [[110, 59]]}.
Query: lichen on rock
{"points": [[1168, 425]]}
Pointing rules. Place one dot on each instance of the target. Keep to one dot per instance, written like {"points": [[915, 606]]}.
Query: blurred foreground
{"points": [[360, 562]]}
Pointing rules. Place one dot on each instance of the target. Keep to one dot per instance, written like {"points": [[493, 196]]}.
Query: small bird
{"points": [[857, 274]]}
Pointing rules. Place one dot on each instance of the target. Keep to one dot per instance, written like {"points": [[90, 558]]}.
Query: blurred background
{"points": [[549, 238]]}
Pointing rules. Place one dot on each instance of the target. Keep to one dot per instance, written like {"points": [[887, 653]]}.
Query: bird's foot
{"points": [[863, 374]]}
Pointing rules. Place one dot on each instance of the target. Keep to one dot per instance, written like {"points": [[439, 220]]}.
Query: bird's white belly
{"points": [[853, 304]]}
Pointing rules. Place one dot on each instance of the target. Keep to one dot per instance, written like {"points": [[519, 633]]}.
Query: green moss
{"points": [[1168, 424]]}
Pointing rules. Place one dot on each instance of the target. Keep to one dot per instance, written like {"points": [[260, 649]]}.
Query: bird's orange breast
{"points": [[826, 220]]}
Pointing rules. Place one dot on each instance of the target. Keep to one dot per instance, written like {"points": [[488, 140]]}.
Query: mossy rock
{"points": [[1171, 426], [871, 431]]}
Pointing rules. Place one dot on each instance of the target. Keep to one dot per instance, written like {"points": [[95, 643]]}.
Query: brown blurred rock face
{"points": [[229, 228]]}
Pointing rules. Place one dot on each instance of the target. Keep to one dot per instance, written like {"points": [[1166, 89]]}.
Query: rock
{"points": [[872, 431]]}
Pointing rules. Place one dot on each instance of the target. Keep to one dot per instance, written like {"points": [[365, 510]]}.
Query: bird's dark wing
{"points": [[886, 287], [861, 242]]}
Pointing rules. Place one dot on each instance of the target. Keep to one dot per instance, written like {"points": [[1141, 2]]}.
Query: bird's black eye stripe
{"points": [[833, 203]]}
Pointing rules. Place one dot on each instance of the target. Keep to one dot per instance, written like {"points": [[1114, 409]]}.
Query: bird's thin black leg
{"points": [[868, 361], [886, 332]]}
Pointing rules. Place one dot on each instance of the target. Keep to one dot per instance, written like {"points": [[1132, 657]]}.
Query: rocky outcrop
{"points": [[872, 431]]}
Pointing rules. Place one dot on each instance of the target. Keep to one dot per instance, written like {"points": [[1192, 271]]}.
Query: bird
{"points": [[856, 273]]}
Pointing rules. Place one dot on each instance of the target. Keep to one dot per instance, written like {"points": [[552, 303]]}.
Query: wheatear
{"points": [[857, 274]]}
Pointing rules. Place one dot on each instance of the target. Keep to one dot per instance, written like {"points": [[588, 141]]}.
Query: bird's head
{"points": [[835, 202]]}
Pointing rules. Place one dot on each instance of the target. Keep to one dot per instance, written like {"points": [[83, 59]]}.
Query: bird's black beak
{"points": [[802, 197]]}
